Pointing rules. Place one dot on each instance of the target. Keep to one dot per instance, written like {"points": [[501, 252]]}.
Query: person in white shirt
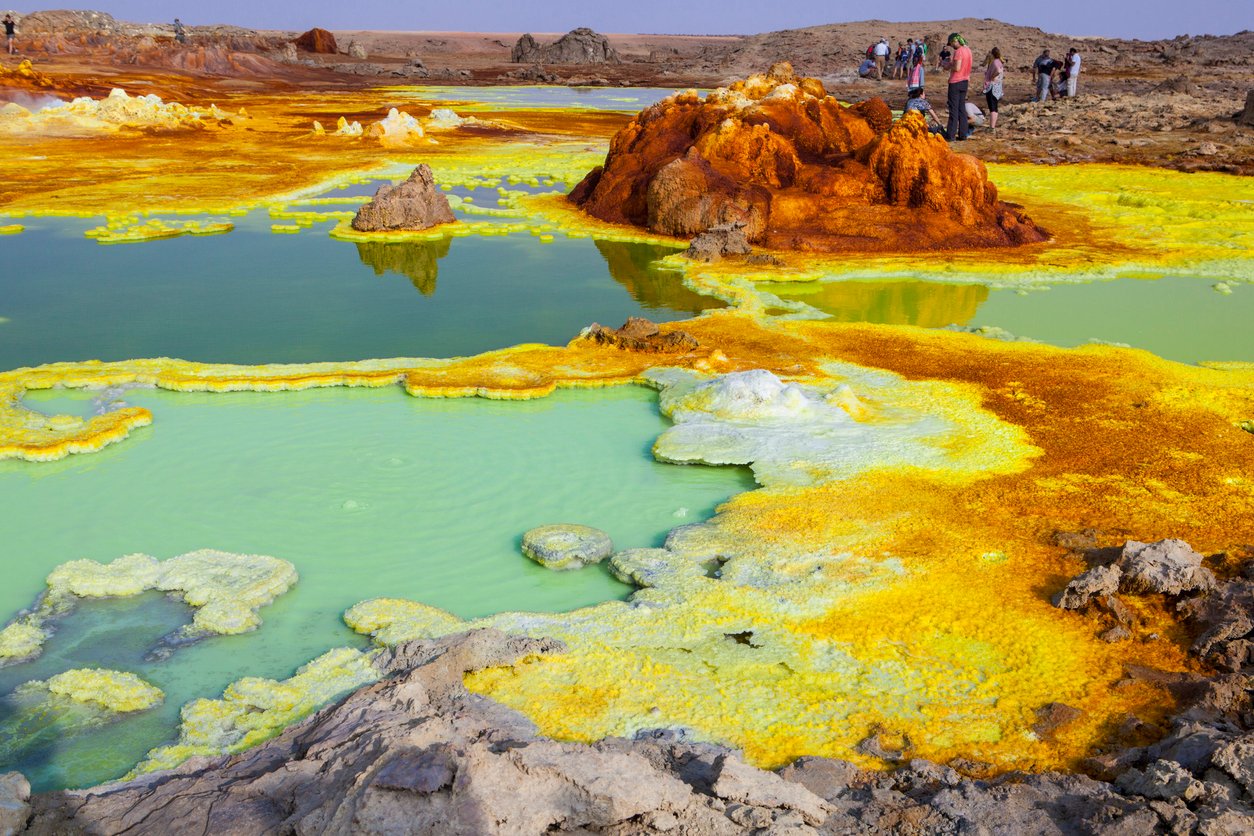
{"points": [[1073, 71], [881, 57]]}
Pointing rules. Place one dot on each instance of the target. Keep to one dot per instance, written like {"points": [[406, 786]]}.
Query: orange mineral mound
{"points": [[801, 171]]}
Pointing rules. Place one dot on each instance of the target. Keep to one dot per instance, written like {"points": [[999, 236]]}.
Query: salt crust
{"points": [[226, 590]]}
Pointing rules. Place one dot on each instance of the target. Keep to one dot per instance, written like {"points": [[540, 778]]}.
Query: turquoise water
{"points": [[252, 296], [1177, 318], [532, 97], [368, 492]]}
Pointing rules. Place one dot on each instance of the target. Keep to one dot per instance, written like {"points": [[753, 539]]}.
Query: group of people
{"points": [[910, 54], [1056, 79], [1053, 78]]}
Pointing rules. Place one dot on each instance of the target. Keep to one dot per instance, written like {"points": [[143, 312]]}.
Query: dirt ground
{"points": [[1167, 102]]}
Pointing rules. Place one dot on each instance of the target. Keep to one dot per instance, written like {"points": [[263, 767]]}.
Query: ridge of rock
{"points": [[578, 46]]}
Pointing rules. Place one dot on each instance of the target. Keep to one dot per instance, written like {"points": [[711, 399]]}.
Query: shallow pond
{"points": [[251, 296], [1177, 318], [368, 492]]}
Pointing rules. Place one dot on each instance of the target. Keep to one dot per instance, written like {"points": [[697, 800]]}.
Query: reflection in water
{"points": [[629, 266], [419, 260], [926, 304]]}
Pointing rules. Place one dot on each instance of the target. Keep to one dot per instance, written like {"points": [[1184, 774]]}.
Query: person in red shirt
{"points": [[959, 79]]}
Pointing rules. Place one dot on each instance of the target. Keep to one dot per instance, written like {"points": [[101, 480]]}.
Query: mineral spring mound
{"points": [[801, 171]]}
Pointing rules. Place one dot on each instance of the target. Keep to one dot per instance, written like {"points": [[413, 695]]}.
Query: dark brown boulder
{"points": [[317, 40]]}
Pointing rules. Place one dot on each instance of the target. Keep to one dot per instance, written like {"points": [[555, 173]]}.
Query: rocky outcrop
{"points": [[415, 204], [639, 334], [1167, 567], [1246, 116], [417, 753], [718, 242], [318, 41], [578, 46], [799, 170]]}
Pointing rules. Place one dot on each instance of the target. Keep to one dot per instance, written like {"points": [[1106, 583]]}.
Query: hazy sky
{"points": [[1113, 18]]}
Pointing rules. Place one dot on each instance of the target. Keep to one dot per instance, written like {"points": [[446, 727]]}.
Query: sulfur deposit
{"points": [[85, 116], [225, 590], [801, 171]]}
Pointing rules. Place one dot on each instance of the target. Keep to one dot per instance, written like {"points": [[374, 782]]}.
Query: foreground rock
{"points": [[578, 46], [799, 171], [417, 753], [413, 205]]}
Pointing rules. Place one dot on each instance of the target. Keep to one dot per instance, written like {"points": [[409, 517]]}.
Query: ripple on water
{"points": [[366, 492]]}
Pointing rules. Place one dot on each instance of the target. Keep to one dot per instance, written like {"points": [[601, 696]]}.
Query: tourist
{"points": [[867, 70], [881, 57], [942, 59], [994, 81], [1073, 71], [975, 117], [902, 62], [1058, 81], [914, 78], [918, 101], [10, 30], [179, 34], [1042, 69], [959, 80]]}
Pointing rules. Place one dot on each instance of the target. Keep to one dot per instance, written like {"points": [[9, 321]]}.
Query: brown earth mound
{"points": [[317, 40], [800, 171]]}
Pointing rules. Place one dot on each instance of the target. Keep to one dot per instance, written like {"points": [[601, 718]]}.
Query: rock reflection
{"points": [[926, 304], [629, 266], [419, 260]]}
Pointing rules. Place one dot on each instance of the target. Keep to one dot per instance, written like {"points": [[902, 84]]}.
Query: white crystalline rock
{"points": [[443, 117], [118, 110], [789, 434], [397, 128], [782, 92]]}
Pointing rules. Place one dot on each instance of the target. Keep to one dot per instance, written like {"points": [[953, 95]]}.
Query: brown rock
{"points": [[718, 242], [317, 40], [1053, 716], [800, 171], [1096, 582], [1246, 116], [415, 204], [1167, 566], [639, 334]]}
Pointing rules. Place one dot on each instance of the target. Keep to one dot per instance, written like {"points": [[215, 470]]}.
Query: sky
{"points": [[1146, 19]]}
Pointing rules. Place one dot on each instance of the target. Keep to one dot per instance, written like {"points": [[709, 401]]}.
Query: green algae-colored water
{"points": [[368, 492], [1177, 318], [252, 296]]}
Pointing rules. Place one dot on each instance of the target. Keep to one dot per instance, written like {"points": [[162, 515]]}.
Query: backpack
{"points": [[870, 51]]}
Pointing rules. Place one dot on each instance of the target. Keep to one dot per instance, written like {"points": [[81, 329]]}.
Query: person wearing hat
{"points": [[1042, 68], [881, 57], [959, 80]]}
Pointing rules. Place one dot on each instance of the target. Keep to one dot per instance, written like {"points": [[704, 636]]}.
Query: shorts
{"points": [[992, 100]]}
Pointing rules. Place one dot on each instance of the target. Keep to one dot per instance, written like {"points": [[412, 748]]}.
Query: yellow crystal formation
{"points": [[114, 691], [225, 590], [85, 116], [254, 709]]}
